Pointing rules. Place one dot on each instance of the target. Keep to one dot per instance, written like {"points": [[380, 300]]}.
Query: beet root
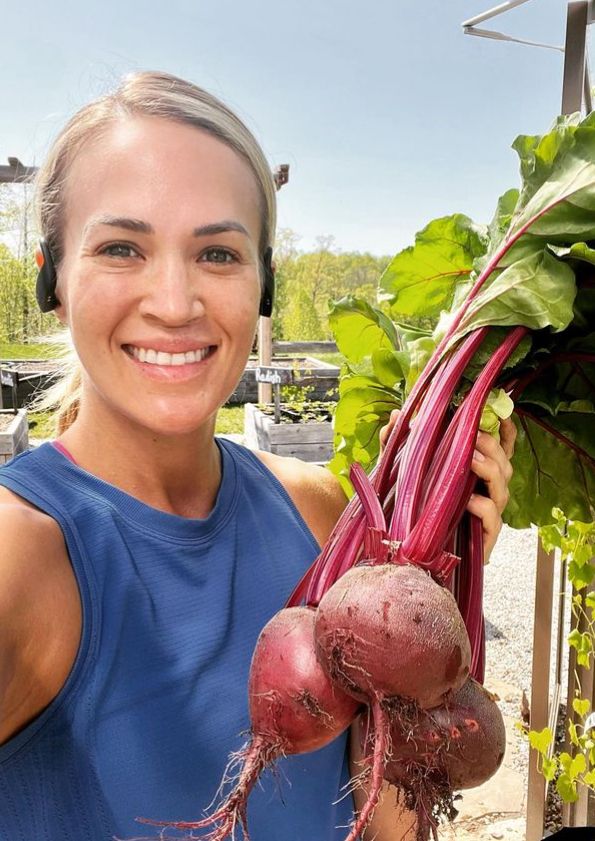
{"points": [[294, 708], [388, 630], [464, 740], [456, 746], [389, 634]]}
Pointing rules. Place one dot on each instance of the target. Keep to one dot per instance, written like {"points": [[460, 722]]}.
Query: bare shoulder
{"points": [[40, 616], [314, 490], [32, 546]]}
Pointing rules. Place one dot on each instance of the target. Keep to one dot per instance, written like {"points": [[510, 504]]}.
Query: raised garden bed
{"points": [[14, 434], [304, 433], [319, 378], [34, 375]]}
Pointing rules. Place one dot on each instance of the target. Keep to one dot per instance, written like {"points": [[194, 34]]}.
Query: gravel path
{"points": [[509, 607]]}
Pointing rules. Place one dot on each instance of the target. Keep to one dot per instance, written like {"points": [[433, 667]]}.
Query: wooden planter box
{"points": [[14, 434], [312, 441], [321, 380]]}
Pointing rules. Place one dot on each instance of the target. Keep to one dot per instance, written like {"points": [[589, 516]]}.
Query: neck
{"points": [[178, 474]]}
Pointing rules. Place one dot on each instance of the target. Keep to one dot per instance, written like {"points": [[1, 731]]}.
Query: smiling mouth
{"points": [[159, 357]]}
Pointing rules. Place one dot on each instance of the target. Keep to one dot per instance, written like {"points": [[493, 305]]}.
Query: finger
{"points": [[508, 433], [490, 448], [496, 484], [386, 430], [491, 521]]}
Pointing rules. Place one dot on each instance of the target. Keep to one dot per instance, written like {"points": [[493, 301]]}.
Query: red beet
{"points": [[391, 636], [294, 708], [386, 631], [465, 740]]}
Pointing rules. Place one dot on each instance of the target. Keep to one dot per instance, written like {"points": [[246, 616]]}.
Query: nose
{"points": [[172, 294]]}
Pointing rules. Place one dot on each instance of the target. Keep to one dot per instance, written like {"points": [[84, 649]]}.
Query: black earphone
{"points": [[45, 287]]}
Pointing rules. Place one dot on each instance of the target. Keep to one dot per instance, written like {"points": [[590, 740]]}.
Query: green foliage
{"points": [[306, 281], [535, 260], [421, 280], [576, 542], [32, 350], [20, 318]]}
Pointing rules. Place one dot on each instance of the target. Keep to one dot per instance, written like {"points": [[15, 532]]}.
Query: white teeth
{"points": [[154, 357]]}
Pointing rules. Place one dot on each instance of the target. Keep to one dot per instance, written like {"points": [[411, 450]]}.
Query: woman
{"points": [[141, 556]]}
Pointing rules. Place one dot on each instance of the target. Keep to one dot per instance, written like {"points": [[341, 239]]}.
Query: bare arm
{"points": [[39, 615], [392, 820]]}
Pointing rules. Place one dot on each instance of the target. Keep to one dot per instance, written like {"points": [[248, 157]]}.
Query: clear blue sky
{"points": [[387, 114]]}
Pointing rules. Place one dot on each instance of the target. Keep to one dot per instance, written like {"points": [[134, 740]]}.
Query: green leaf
{"points": [[363, 409], [421, 280], [573, 734], [537, 291], [540, 740], [579, 251], [581, 706], [566, 788], [420, 352], [498, 406], [549, 768], [548, 472], [360, 329], [581, 575], [502, 217], [583, 645], [589, 779], [390, 366], [558, 197]]}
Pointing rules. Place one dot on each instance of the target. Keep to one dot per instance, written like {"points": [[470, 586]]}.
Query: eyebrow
{"points": [[140, 227]]}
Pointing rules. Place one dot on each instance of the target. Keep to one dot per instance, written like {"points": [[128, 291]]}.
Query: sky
{"points": [[387, 114]]}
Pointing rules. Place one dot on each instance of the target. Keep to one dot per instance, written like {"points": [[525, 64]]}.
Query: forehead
{"points": [[166, 173]]}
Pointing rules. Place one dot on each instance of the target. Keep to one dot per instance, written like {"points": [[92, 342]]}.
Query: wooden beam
{"points": [[304, 347], [540, 686]]}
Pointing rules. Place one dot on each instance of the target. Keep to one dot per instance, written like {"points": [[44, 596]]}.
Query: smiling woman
{"points": [[141, 556]]}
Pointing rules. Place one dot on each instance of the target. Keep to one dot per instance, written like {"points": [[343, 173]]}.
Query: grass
{"points": [[12, 350], [229, 420], [41, 424]]}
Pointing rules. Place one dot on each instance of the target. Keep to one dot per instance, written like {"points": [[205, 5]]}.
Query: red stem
{"points": [[427, 538]]}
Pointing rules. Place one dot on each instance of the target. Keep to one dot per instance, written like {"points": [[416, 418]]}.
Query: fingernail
{"points": [[478, 456]]}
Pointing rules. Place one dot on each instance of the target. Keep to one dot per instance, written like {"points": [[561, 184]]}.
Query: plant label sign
{"points": [[7, 378], [273, 375]]}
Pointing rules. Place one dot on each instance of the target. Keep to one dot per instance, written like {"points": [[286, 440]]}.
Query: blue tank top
{"points": [[156, 699]]}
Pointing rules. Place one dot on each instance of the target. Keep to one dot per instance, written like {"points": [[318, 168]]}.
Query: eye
{"points": [[119, 249], [218, 255]]}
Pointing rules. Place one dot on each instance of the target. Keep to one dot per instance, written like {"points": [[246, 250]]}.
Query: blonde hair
{"points": [[139, 94]]}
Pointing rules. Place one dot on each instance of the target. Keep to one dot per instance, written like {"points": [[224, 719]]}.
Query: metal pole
{"points": [[575, 56]]}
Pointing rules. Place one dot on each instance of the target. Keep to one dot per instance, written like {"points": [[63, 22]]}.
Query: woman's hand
{"points": [[491, 463]]}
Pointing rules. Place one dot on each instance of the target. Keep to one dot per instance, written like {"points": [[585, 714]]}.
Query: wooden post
{"points": [[265, 356], [540, 686], [265, 328], [581, 683]]}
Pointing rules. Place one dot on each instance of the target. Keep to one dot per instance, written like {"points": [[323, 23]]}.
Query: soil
{"points": [[6, 418]]}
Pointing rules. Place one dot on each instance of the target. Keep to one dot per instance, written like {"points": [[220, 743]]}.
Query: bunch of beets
{"points": [[374, 628]]}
